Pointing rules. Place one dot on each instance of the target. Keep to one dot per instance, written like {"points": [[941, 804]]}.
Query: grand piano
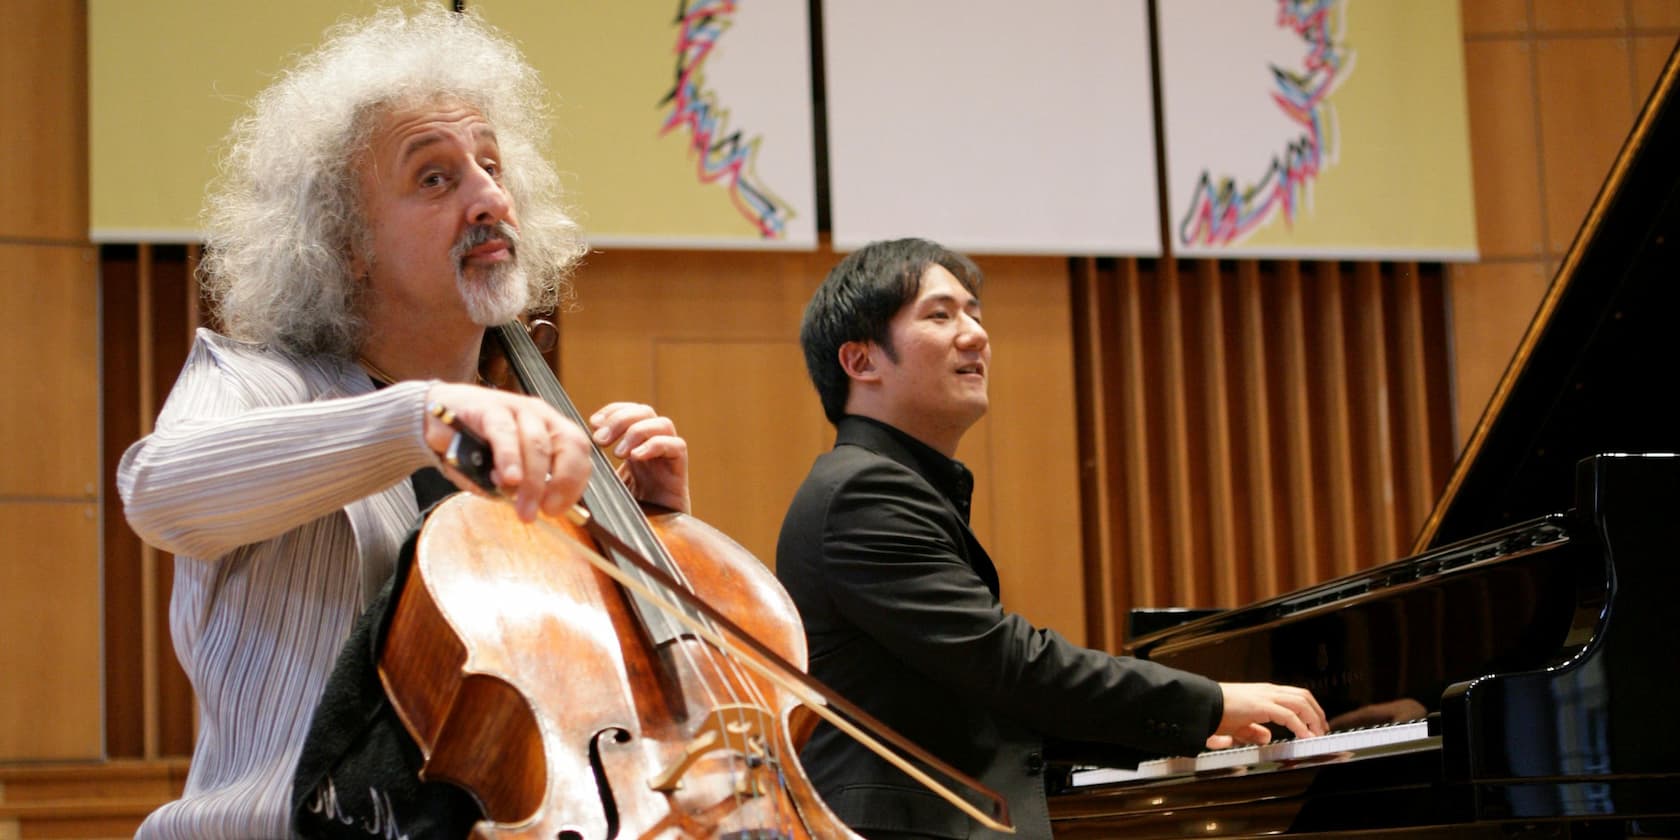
{"points": [[1514, 677]]}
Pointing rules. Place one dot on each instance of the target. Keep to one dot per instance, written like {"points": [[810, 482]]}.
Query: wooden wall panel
{"points": [[49, 503], [1586, 88], [50, 703], [1655, 14], [717, 333], [1485, 17], [1650, 53], [1505, 159], [1492, 307], [43, 95], [650, 324], [740, 390], [49, 316], [1574, 16], [1026, 452]]}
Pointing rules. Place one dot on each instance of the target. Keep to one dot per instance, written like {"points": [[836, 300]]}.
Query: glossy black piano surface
{"points": [[1538, 651], [1536, 624]]}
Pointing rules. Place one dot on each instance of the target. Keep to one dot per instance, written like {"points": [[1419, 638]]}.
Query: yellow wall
{"points": [[198, 63]]}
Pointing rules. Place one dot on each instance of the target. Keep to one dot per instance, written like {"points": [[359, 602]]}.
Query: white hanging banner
{"points": [[1316, 128], [992, 126]]}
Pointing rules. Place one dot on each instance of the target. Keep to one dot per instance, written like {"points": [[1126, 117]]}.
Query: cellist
{"points": [[381, 204]]}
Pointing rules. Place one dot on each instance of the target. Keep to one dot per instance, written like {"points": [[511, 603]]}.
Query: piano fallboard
{"points": [[1384, 645]]}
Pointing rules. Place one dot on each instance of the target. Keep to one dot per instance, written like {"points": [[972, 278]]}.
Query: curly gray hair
{"points": [[285, 213]]}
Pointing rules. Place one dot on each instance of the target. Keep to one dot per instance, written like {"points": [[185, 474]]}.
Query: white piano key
{"points": [[1352, 739]]}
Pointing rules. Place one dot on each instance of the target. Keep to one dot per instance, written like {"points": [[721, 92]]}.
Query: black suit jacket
{"points": [[901, 611]]}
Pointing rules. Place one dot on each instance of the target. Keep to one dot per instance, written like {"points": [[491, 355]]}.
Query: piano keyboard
{"points": [[1294, 749]]}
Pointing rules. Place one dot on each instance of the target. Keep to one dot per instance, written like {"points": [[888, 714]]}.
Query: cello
{"points": [[626, 671]]}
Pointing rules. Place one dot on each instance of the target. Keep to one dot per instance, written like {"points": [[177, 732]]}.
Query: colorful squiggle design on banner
{"points": [[1219, 212], [722, 157]]}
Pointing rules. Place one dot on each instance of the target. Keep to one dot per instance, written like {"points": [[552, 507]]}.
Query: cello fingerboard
{"points": [[606, 497]]}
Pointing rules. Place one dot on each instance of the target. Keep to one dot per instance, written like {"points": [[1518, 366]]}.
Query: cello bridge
{"points": [[739, 728]]}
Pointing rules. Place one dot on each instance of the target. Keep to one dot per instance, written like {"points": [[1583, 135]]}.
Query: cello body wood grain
{"points": [[527, 678]]}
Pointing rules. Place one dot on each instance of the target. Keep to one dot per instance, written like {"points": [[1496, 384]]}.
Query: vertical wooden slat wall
{"points": [[152, 308], [121, 418], [1254, 427], [1217, 404], [1258, 475], [1301, 490]]}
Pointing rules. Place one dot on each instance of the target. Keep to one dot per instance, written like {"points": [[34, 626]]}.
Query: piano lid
{"points": [[1597, 367]]}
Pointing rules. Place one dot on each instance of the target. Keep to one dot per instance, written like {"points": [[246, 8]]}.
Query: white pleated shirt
{"points": [[280, 484]]}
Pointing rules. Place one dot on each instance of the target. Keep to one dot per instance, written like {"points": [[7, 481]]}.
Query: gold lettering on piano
{"points": [[1338, 680]]}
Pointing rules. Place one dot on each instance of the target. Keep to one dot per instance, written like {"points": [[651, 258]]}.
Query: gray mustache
{"points": [[479, 234]]}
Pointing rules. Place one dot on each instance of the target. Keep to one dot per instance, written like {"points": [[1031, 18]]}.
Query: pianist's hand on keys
{"points": [[1250, 706], [1397, 734]]}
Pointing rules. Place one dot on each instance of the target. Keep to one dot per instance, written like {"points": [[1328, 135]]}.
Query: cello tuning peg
{"points": [[544, 334]]}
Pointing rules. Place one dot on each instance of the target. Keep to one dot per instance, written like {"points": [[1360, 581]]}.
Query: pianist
{"points": [[899, 600]]}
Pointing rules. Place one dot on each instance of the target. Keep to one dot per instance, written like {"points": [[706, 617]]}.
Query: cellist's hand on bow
{"points": [[541, 458], [655, 459]]}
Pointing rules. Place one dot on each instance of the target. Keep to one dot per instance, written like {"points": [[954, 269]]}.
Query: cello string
{"points": [[707, 631], [615, 508], [618, 508], [613, 517], [753, 711], [622, 516]]}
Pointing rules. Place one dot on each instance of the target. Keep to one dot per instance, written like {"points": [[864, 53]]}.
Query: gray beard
{"points": [[499, 297]]}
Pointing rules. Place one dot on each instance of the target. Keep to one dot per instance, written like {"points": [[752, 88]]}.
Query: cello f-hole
{"points": [[609, 805]]}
